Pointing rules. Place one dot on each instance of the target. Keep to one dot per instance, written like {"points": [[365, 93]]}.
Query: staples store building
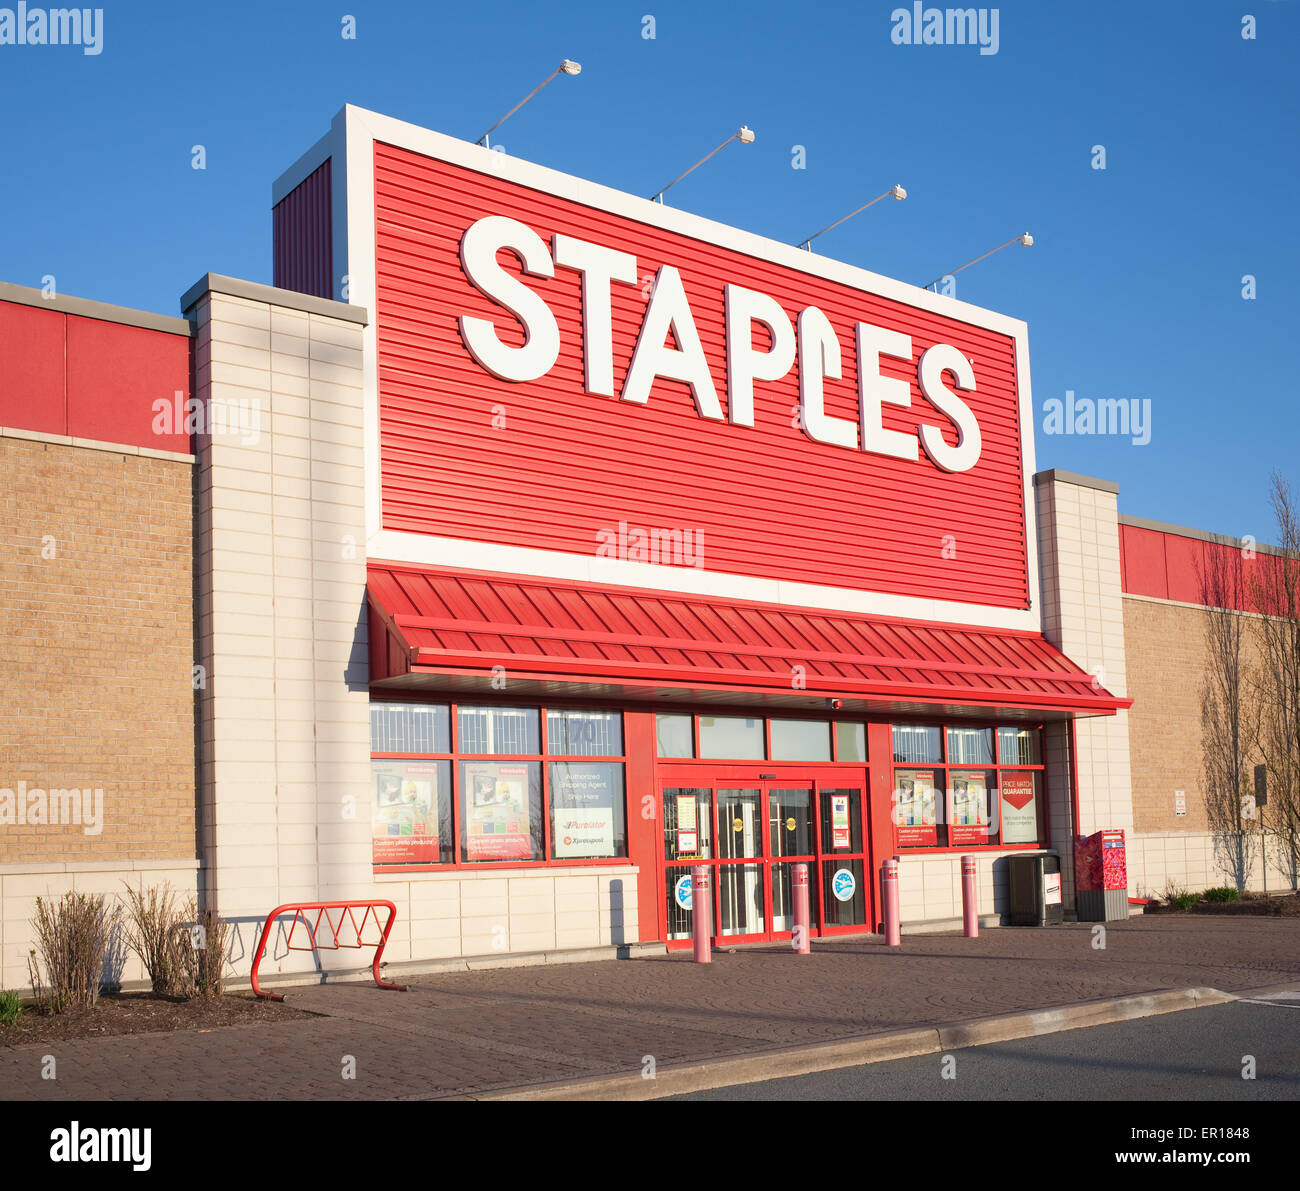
{"points": [[548, 541]]}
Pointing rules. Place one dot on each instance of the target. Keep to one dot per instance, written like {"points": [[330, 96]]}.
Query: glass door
{"points": [[750, 831], [740, 876], [789, 840], [844, 885]]}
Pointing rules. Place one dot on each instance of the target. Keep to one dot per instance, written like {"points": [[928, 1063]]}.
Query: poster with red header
{"points": [[496, 798], [914, 809], [404, 813], [1019, 803], [839, 820], [968, 810]]}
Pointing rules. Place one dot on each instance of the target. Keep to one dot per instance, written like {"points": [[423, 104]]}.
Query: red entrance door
{"points": [[750, 829]]}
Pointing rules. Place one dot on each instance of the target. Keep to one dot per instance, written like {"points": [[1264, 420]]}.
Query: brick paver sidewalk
{"points": [[477, 1031]]}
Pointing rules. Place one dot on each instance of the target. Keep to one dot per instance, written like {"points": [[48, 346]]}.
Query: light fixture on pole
{"points": [[1024, 238], [568, 66], [743, 134], [897, 191]]}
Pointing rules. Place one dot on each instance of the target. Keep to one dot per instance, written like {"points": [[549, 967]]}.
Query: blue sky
{"points": [[1132, 290]]}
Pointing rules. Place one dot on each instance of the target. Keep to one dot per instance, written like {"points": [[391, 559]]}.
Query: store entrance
{"points": [[750, 829]]}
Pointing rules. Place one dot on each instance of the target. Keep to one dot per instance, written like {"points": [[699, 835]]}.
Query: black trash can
{"points": [[1034, 893]]}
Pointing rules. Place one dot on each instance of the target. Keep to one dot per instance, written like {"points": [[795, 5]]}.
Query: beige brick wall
{"points": [[1167, 660], [96, 647]]}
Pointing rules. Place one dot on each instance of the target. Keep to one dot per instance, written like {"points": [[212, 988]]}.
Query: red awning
{"points": [[439, 629]]}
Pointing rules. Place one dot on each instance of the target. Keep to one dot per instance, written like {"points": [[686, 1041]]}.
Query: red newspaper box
{"points": [[1101, 876]]}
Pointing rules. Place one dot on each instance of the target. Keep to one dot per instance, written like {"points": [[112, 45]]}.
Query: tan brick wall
{"points": [[96, 647], [1167, 659]]}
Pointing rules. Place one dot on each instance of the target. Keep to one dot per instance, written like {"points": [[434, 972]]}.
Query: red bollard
{"points": [[893, 931], [701, 913], [970, 914], [801, 940]]}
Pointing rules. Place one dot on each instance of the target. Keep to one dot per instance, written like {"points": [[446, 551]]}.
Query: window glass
{"points": [[411, 812], [731, 736], [914, 744], [1018, 805], [502, 731], [801, 740], [410, 728], [584, 733], [1019, 746], [587, 810], [918, 798], [972, 807], [688, 823], [850, 741], [674, 736], [501, 810], [970, 746]]}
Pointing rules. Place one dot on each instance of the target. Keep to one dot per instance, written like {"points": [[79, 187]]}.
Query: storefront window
{"points": [[1021, 798], [801, 740], [501, 810], [970, 746], [914, 744], [411, 811], [730, 736], [410, 728], [917, 799], [488, 800], [1019, 746], [972, 807], [971, 797], [587, 810], [850, 741], [584, 733], [673, 733], [495, 731]]}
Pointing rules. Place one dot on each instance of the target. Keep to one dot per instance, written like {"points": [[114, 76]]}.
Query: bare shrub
{"points": [[67, 963], [204, 946], [153, 925]]}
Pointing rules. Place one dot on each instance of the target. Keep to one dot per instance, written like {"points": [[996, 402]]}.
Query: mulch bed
{"points": [[143, 1013], [1285, 906]]}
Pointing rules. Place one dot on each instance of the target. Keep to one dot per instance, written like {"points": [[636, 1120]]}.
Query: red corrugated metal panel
{"points": [[33, 394], [91, 378], [302, 228], [1142, 562], [1167, 565], [464, 621], [543, 464]]}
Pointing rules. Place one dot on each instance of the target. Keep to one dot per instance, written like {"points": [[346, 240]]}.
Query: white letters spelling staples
{"points": [[668, 313]]}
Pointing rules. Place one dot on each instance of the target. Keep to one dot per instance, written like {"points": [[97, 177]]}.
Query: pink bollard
{"points": [[893, 930], [701, 913], [801, 940], [970, 912]]}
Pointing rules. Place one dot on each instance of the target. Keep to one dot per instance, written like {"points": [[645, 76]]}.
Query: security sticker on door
{"points": [[843, 885], [1052, 889], [682, 892]]}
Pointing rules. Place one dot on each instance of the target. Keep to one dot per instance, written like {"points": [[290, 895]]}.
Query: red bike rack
{"points": [[347, 913]]}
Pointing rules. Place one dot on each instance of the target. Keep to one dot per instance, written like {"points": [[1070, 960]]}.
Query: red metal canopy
{"points": [[448, 629]]}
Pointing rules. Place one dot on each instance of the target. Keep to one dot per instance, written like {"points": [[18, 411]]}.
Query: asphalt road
{"points": [[1194, 1055]]}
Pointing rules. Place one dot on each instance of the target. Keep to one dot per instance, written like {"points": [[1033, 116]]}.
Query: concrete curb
{"points": [[853, 1052]]}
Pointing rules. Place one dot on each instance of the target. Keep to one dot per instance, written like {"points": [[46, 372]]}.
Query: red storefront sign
{"points": [[557, 376]]}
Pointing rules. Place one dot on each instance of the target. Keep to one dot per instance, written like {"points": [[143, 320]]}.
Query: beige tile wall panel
{"points": [[284, 740]]}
